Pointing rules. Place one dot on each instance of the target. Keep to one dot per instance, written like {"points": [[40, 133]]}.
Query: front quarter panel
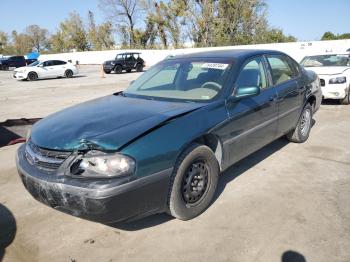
{"points": [[159, 149]]}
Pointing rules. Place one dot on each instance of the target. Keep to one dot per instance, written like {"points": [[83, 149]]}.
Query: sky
{"points": [[305, 19]]}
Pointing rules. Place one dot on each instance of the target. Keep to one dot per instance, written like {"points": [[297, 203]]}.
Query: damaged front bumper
{"points": [[101, 200]]}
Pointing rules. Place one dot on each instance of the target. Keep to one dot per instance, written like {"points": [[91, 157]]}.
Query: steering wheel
{"points": [[212, 85]]}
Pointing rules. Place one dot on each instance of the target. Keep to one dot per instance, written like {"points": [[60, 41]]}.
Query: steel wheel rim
{"points": [[305, 122], [195, 182]]}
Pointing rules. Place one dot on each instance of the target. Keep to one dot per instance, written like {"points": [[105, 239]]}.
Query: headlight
{"points": [[337, 80], [98, 164], [112, 63]]}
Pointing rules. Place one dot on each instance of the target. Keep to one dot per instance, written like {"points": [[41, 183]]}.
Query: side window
{"points": [[281, 71], [48, 63], [58, 62], [130, 58], [253, 75], [295, 66]]}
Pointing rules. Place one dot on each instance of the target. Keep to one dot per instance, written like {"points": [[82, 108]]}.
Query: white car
{"points": [[334, 73], [45, 69]]}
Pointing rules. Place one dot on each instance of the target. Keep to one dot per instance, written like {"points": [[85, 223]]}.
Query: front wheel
{"points": [[32, 76], [118, 69], [193, 183], [302, 131], [346, 99]]}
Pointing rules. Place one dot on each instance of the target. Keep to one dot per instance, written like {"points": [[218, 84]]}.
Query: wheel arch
{"points": [[312, 101], [214, 143], [33, 72]]}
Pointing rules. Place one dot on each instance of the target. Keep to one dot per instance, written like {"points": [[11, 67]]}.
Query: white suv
{"points": [[45, 69]]}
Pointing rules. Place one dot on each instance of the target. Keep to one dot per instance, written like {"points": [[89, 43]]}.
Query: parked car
{"points": [[45, 69], [12, 61], [161, 144], [125, 61], [334, 73], [30, 61]]}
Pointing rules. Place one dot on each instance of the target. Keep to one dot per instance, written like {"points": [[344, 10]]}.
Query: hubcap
{"points": [[195, 182], [305, 122]]}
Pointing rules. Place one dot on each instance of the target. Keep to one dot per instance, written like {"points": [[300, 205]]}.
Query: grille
{"points": [[323, 83], [49, 160]]}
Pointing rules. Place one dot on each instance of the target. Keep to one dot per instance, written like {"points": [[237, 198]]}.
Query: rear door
{"points": [[253, 120], [59, 67], [130, 61], [290, 96]]}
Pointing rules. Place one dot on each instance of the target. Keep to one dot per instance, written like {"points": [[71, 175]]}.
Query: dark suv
{"points": [[124, 61], [12, 61]]}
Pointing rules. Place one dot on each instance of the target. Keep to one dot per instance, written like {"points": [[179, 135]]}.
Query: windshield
{"points": [[326, 60], [183, 79], [34, 63]]}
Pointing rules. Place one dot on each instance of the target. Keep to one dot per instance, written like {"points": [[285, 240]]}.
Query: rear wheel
{"points": [[139, 68], [193, 183], [68, 73], [346, 99], [32, 76], [118, 69], [301, 133]]}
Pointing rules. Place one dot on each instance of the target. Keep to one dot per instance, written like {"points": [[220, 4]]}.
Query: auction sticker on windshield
{"points": [[215, 66]]}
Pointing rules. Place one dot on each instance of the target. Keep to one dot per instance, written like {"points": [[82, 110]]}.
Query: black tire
{"points": [[193, 182], [68, 73], [32, 76], [107, 71], [302, 131], [346, 99], [118, 69], [139, 68]]}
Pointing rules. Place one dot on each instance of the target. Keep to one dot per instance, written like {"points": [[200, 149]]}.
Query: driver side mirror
{"points": [[247, 91]]}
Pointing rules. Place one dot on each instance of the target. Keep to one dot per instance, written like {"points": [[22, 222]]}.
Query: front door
{"points": [[253, 120]]}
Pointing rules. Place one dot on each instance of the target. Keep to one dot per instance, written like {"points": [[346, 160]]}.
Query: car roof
{"points": [[129, 53], [232, 53]]}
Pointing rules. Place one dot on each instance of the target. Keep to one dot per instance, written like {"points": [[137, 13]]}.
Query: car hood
{"points": [[328, 70], [109, 61], [20, 68], [105, 123]]}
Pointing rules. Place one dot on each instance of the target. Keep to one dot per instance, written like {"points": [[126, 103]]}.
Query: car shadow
{"points": [[8, 229], [226, 177], [124, 72], [292, 256], [142, 223], [330, 102], [57, 78], [247, 163]]}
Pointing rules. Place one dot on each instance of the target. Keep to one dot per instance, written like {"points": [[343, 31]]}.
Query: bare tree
{"points": [[123, 13], [38, 37]]}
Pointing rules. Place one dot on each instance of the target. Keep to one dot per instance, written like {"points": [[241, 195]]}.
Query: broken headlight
{"points": [[98, 164]]}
